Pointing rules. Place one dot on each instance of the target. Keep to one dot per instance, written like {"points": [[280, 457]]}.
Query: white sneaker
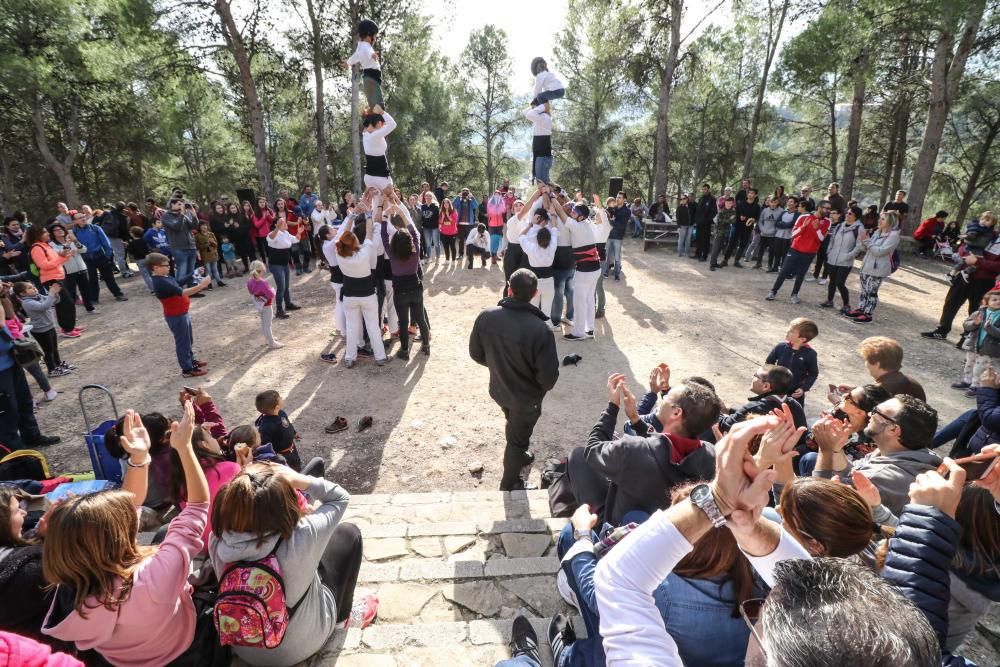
{"points": [[276, 346], [795, 298], [50, 395], [823, 281], [565, 590], [810, 278]]}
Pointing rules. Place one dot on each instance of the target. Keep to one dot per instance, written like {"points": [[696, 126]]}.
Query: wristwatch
{"points": [[703, 499], [582, 534]]}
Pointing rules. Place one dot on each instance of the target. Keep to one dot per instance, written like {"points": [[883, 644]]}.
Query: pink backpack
{"points": [[250, 609]]}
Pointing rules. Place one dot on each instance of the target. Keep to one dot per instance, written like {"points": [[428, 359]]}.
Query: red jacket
{"points": [[805, 239], [929, 228], [987, 266]]}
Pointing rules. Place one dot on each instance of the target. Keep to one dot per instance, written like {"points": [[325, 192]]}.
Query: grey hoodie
{"points": [[40, 309], [767, 223], [313, 621], [893, 473], [844, 245]]}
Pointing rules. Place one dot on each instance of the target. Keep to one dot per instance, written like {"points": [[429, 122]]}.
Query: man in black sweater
{"points": [[514, 341], [749, 212], [706, 212], [636, 472]]}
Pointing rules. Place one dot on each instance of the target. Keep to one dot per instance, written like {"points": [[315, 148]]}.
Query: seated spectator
{"points": [[636, 472], [770, 386], [827, 518], [853, 411], [130, 603], [21, 576], [988, 411], [258, 514], [20, 651], [902, 429], [883, 358], [928, 231], [659, 387], [863, 619], [156, 498], [205, 410]]}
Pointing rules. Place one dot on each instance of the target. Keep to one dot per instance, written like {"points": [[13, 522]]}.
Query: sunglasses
{"points": [[750, 610], [876, 411]]}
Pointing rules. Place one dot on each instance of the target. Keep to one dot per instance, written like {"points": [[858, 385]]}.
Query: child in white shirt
{"points": [[366, 57], [548, 87]]}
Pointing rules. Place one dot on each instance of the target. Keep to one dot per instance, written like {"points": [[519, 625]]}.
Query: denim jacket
{"points": [[698, 614]]}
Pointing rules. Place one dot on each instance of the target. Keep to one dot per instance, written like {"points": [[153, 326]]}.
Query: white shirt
{"points": [[374, 141], [318, 219], [547, 81], [517, 222], [478, 240], [601, 227], [625, 579], [538, 256], [364, 56], [360, 264], [282, 241], [581, 234], [330, 252], [541, 121]]}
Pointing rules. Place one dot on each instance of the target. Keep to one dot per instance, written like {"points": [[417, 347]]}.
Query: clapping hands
{"points": [[134, 438]]}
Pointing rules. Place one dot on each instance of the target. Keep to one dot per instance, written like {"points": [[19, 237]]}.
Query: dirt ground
{"points": [[432, 415]]}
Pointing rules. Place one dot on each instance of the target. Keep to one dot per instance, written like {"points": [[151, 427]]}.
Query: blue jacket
{"points": [[93, 239], [919, 562], [801, 362], [306, 204], [473, 209], [989, 419], [156, 239]]}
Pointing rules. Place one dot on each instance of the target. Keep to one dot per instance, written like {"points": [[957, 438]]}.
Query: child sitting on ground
{"points": [[229, 257], [42, 313], [478, 243], [982, 342], [263, 299], [798, 356], [366, 57], [275, 428], [978, 235]]}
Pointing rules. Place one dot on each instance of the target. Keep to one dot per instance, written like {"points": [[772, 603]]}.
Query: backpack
{"points": [[251, 609], [23, 464], [894, 261]]}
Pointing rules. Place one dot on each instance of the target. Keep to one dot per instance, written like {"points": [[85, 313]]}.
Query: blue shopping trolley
{"points": [[106, 466]]}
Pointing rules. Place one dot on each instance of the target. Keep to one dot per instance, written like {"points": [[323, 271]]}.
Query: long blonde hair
{"points": [[258, 269], [91, 547]]}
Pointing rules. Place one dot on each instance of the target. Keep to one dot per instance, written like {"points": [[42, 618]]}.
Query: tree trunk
{"points": [[231, 33], [666, 84], [860, 79], [902, 141], [354, 11], [323, 181], [773, 36], [834, 157], [946, 74], [63, 169], [977, 171]]}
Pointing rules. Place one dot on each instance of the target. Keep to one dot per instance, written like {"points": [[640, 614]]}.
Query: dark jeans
{"points": [[78, 287], [521, 422], [65, 307], [180, 327], [185, 261], [49, 342], [781, 247], [282, 296], [450, 251], [513, 259], [472, 252], [766, 243], [961, 292], [410, 308], [339, 566], [838, 281], [463, 233], [100, 265], [18, 428], [703, 239], [821, 264], [563, 281], [796, 265], [740, 241]]}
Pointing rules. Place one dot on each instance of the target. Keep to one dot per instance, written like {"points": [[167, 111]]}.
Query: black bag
{"points": [[25, 351], [205, 649], [562, 501]]}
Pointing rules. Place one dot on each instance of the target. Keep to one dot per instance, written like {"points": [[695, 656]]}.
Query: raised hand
{"points": [[831, 435], [134, 438], [615, 381], [628, 403], [868, 491], [244, 455], [180, 432], [738, 483], [992, 480], [931, 488]]}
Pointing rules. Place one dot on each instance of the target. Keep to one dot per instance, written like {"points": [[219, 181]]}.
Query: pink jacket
{"points": [[495, 211], [156, 623], [262, 223], [449, 224], [18, 651]]}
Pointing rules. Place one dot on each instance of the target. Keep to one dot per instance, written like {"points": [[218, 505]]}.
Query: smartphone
{"points": [[976, 467]]}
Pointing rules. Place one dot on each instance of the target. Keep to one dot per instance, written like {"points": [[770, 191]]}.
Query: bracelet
{"points": [[149, 459], [583, 535]]}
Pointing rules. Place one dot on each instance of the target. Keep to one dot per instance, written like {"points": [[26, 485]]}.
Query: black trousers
{"points": [[339, 566], [766, 243], [589, 487], [838, 282], [703, 239], [410, 308], [65, 306], [961, 292], [781, 247], [78, 287], [49, 342], [450, 251], [513, 259], [739, 242], [821, 264], [100, 265], [520, 425], [463, 233], [18, 428]]}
